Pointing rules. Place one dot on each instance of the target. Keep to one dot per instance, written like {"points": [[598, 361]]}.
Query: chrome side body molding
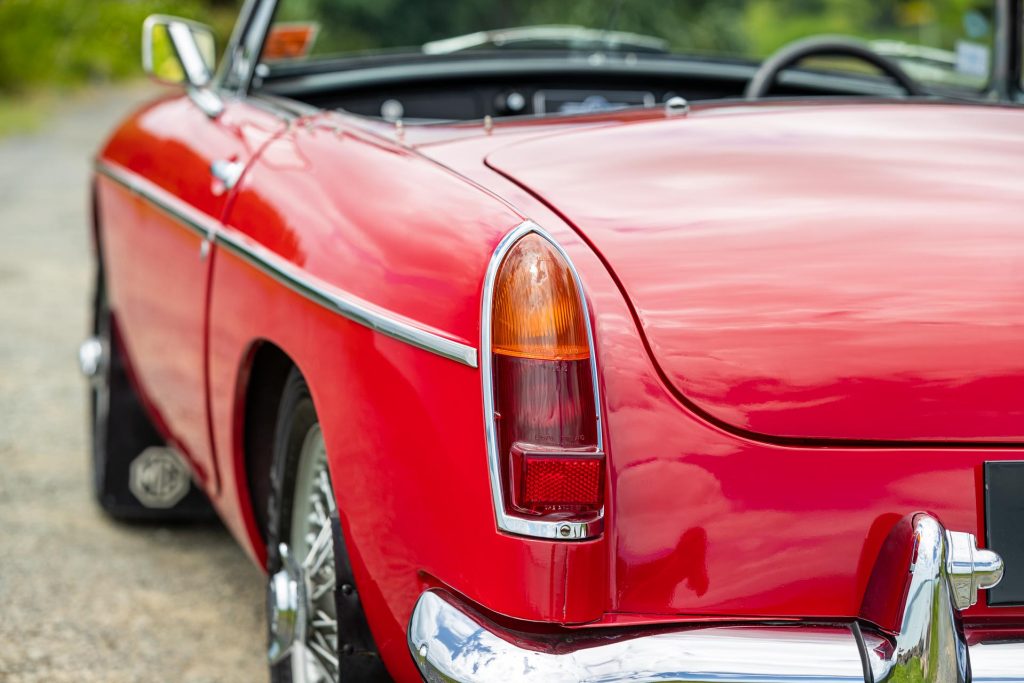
{"points": [[350, 307], [388, 324], [923, 567]]}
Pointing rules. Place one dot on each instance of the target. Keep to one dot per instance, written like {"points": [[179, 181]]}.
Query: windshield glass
{"points": [[940, 41]]}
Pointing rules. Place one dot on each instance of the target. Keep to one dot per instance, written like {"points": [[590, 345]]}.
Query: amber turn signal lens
{"points": [[537, 309]]}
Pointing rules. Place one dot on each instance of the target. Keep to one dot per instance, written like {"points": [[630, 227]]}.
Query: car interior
{"points": [[564, 58], [472, 86]]}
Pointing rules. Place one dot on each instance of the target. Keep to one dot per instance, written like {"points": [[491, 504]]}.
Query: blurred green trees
{"points": [[752, 28], [68, 42], [369, 24]]}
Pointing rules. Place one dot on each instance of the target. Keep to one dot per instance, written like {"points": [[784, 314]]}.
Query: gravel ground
{"points": [[82, 598]]}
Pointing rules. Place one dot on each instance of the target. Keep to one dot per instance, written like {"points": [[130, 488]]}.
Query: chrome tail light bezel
{"points": [[513, 524]]}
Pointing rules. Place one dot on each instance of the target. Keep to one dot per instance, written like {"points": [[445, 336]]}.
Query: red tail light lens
{"points": [[545, 412]]}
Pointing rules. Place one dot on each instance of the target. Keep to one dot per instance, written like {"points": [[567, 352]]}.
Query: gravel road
{"points": [[82, 598]]}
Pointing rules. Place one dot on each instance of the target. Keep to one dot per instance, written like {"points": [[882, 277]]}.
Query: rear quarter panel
{"points": [[707, 525], [404, 427]]}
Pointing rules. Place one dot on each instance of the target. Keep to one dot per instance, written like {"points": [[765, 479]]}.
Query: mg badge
{"points": [[159, 478]]}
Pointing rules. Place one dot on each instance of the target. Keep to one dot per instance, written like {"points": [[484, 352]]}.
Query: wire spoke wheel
{"points": [[314, 658], [317, 628]]}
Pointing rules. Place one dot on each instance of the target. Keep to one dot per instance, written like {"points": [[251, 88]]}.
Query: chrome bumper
{"points": [[453, 643]]}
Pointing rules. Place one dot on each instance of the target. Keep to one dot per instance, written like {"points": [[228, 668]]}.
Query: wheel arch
{"points": [[261, 381]]}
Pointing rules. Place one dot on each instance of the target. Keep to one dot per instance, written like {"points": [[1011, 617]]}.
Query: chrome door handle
{"points": [[227, 171]]}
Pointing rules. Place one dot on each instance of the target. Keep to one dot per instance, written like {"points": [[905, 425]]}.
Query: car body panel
{"points": [[845, 273], [708, 525], [403, 426], [154, 263]]}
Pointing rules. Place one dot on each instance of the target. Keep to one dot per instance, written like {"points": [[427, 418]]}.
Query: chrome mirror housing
{"points": [[178, 51], [182, 52]]}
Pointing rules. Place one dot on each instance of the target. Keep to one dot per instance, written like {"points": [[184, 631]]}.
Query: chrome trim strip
{"points": [[358, 311], [198, 222], [348, 307], [565, 531], [450, 645]]}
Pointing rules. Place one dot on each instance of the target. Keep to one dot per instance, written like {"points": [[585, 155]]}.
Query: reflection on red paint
{"points": [[826, 272]]}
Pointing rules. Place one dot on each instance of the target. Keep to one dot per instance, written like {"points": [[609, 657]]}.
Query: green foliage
{"points": [[66, 42], [937, 23], [752, 28], [353, 25]]}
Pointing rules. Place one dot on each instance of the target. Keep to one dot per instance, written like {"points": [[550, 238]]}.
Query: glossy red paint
{"points": [[704, 522], [395, 453], [154, 269], [789, 531], [750, 247]]}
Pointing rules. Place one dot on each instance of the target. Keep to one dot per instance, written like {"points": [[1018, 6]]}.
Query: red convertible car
{"points": [[579, 342]]}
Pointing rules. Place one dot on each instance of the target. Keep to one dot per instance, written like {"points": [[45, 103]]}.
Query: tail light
{"points": [[547, 464]]}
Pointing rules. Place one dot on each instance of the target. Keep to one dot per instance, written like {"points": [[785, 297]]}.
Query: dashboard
{"points": [[472, 100], [428, 90]]}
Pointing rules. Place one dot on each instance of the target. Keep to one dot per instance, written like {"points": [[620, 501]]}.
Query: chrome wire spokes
{"points": [[322, 631], [314, 653]]}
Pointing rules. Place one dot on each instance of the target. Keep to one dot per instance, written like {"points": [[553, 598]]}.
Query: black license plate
{"points": [[1004, 523]]}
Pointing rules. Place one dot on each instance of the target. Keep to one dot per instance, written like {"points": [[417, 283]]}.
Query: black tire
{"points": [[359, 660], [121, 431]]}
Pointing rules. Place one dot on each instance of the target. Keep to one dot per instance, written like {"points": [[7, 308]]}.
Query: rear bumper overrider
{"points": [[451, 642]]}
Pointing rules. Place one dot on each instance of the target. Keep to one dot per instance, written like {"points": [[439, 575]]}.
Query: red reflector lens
{"points": [[546, 482], [549, 481]]}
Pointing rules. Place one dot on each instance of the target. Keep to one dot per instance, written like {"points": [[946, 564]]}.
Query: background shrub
{"points": [[68, 42]]}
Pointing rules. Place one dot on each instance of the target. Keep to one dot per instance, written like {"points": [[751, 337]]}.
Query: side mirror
{"points": [[181, 52]]}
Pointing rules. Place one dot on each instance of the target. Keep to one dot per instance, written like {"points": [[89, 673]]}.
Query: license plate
{"points": [[1004, 524]]}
